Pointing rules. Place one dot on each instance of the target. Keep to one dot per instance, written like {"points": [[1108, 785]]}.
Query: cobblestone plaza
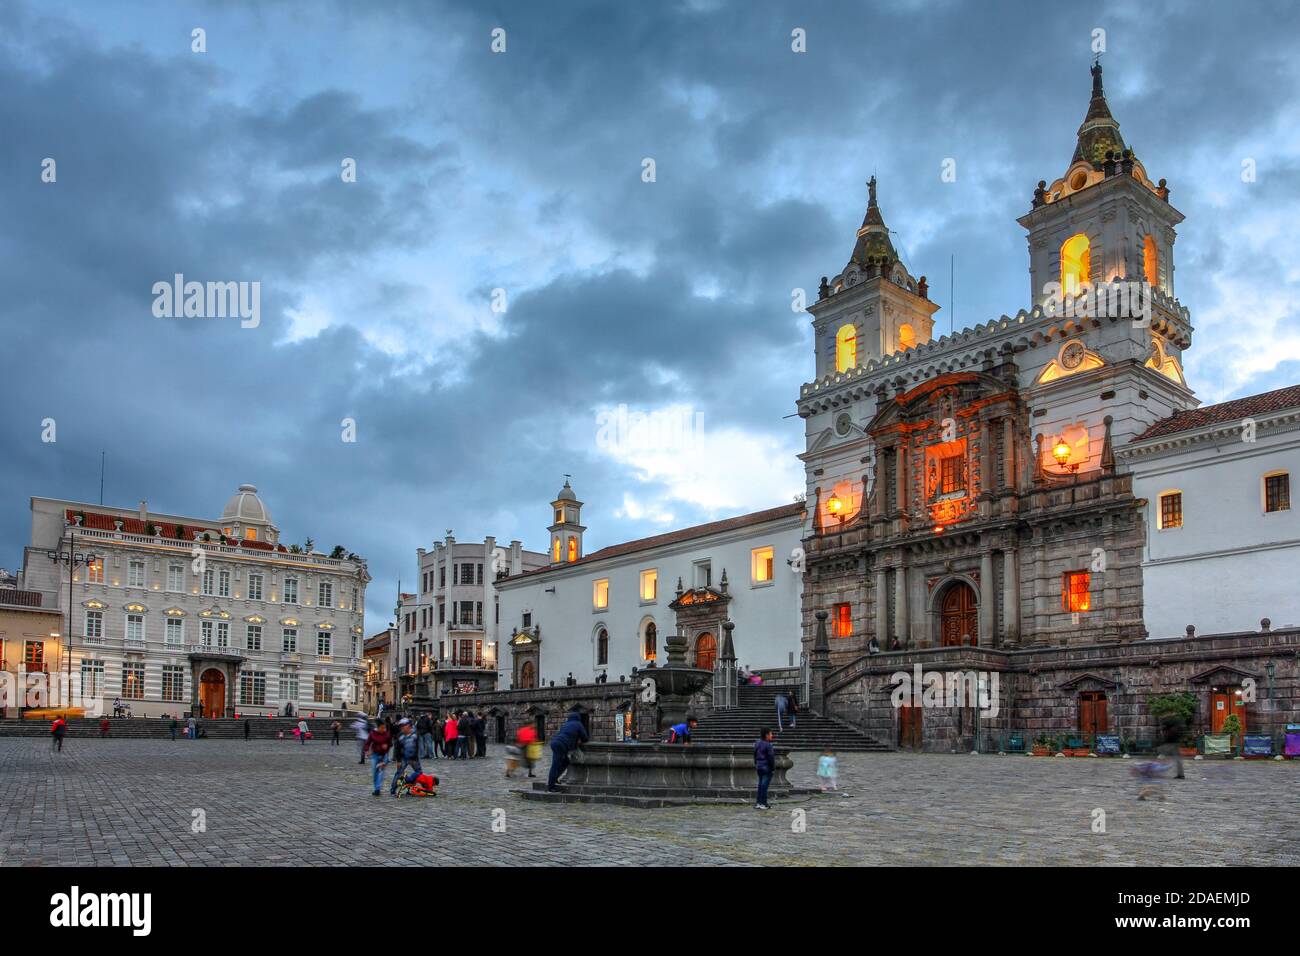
{"points": [[267, 803]]}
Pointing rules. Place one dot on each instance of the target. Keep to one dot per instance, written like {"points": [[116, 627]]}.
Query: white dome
{"points": [[246, 506]]}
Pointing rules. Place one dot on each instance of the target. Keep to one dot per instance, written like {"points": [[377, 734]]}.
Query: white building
{"points": [[607, 612], [1223, 542], [448, 632], [216, 616]]}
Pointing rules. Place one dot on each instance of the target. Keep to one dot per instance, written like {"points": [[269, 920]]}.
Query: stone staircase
{"points": [[151, 728], [757, 708]]}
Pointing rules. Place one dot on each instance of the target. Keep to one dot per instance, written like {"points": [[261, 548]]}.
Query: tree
{"points": [[338, 551]]}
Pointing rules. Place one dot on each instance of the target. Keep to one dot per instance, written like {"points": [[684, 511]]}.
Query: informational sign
{"points": [[1257, 745], [1107, 744]]}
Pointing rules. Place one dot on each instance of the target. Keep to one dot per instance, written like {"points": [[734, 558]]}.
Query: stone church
{"points": [[967, 510]]}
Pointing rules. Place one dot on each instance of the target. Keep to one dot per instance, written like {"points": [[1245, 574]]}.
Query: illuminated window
{"points": [[1150, 260], [133, 681], [1171, 509], [600, 594], [95, 571], [950, 476], [1277, 493], [555, 549], [649, 648], [250, 534], [1075, 595], [906, 336], [559, 516], [761, 565], [843, 620], [846, 348], [649, 585], [573, 549], [1076, 263]]}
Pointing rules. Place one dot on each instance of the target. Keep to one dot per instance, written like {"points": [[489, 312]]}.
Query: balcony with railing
{"points": [[216, 547]]}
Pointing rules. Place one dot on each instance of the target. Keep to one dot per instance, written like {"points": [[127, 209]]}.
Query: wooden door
{"points": [[212, 687], [706, 651], [1225, 702], [909, 727], [1092, 712], [959, 616]]}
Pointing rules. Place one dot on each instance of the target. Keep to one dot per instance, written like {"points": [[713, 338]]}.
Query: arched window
{"points": [[651, 640], [573, 549], [906, 337], [602, 647], [1150, 261], [846, 348], [1076, 263], [555, 549]]}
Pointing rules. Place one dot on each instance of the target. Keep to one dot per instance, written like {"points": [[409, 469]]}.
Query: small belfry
{"points": [[566, 531], [874, 307]]}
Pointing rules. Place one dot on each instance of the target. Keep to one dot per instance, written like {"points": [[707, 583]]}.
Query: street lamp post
{"points": [[72, 558]]}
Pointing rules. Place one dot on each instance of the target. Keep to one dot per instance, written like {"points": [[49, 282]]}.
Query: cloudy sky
{"points": [[500, 274]]}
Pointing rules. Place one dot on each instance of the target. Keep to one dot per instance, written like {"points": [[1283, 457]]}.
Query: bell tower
{"points": [[874, 307], [566, 531]]}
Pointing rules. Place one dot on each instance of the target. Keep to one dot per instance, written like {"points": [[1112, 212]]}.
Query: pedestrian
{"points": [[362, 727], [828, 770], [191, 725], [567, 739], [450, 730], [378, 741], [103, 727], [780, 710], [57, 730], [438, 730], [335, 727], [1171, 730], [480, 734], [764, 765], [792, 705], [302, 731], [117, 706], [248, 729], [464, 732], [530, 748], [424, 729], [681, 733], [172, 727], [408, 753]]}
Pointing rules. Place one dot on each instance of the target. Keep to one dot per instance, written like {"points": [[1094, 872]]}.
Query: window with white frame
{"points": [[600, 594], [289, 639], [649, 585], [761, 560], [703, 574], [323, 645], [133, 681], [135, 628], [255, 587], [1277, 492], [288, 687], [252, 688], [175, 634], [175, 577], [173, 682], [322, 687], [325, 594], [209, 581], [223, 584], [95, 624], [205, 633], [253, 640], [135, 574], [290, 590], [92, 678], [95, 571], [223, 634]]}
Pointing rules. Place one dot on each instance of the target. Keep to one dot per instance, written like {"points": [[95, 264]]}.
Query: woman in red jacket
{"points": [[449, 734]]}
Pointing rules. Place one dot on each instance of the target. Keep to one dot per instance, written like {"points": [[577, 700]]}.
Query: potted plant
{"points": [[1042, 746], [1187, 745], [1233, 729]]}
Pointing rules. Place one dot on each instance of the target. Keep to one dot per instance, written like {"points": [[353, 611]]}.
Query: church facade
{"points": [[977, 500]]}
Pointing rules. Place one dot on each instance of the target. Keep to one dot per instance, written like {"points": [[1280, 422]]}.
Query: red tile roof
{"points": [[102, 522], [1233, 411], [673, 537]]}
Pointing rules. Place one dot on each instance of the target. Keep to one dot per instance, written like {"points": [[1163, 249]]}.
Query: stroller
{"points": [[417, 784]]}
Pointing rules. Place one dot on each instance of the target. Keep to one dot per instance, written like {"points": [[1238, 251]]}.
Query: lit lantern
{"points": [[1061, 452]]}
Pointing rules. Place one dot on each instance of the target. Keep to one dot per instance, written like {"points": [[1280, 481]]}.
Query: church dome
{"points": [[566, 493], [245, 506]]}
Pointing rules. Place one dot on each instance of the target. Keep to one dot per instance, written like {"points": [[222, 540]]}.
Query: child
{"points": [[828, 770]]}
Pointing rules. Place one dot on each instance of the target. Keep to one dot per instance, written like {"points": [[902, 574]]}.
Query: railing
{"points": [[726, 690], [23, 598], [212, 546], [476, 661], [464, 626]]}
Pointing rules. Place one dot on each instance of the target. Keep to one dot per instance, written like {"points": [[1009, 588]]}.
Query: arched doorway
{"points": [[959, 615], [527, 676], [706, 651], [651, 642], [212, 693]]}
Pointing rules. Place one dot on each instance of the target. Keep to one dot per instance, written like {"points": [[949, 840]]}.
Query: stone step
{"points": [[137, 728]]}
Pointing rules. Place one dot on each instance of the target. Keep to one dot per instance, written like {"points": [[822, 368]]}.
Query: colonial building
{"points": [[381, 672], [589, 617], [214, 616], [448, 635], [991, 492], [31, 648]]}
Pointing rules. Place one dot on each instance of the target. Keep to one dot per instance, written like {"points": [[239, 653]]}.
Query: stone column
{"points": [[882, 606], [986, 636], [900, 604], [1008, 453], [1010, 597], [819, 665], [901, 474]]}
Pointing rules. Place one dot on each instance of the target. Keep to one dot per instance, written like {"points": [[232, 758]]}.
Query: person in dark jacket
{"points": [[765, 765], [378, 743], [248, 729], [408, 753], [1171, 732], [480, 734], [464, 730], [439, 740], [571, 735]]}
